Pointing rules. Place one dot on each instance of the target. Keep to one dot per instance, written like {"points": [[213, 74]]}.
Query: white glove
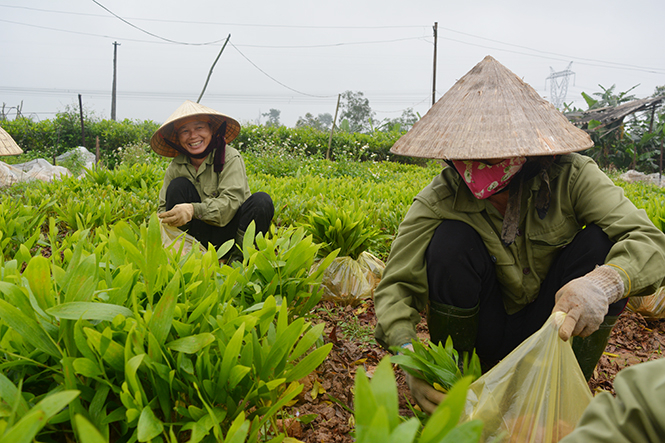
{"points": [[585, 300], [179, 215]]}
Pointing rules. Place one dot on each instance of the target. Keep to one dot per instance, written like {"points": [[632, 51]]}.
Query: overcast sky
{"points": [[297, 55]]}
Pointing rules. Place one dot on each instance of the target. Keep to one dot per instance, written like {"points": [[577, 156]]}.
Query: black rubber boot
{"points": [[459, 323], [588, 350]]}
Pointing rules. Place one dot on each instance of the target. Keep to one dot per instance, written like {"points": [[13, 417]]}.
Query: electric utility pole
{"points": [[559, 85], [436, 27], [115, 60]]}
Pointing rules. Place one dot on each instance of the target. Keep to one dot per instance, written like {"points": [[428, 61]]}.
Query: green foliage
{"points": [[307, 141], [154, 341], [345, 228], [437, 364], [64, 133], [139, 153], [279, 266], [378, 420]]}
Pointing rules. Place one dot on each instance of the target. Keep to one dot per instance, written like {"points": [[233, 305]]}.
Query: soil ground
{"points": [[324, 409]]}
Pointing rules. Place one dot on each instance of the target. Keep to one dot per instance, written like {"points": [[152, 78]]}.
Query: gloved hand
{"points": [[585, 300], [179, 215], [424, 394]]}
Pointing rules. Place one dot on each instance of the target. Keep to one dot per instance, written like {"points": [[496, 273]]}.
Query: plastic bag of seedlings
{"points": [[179, 240], [649, 306], [537, 393], [349, 282]]}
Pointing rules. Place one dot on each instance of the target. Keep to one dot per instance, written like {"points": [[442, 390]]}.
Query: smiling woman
{"points": [[205, 189]]}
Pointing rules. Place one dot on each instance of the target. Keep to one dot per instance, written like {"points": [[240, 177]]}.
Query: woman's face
{"points": [[195, 136]]}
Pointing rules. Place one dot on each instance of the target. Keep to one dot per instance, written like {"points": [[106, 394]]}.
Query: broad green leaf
{"points": [[86, 431], [238, 372], [447, 413], [238, 430], [87, 367], [10, 394], [365, 406], [471, 431], [231, 354], [309, 363], [406, 432], [25, 430], [307, 340], [39, 278], [111, 352], [149, 426], [88, 311], [162, 317], [191, 344], [82, 280], [29, 329], [54, 403], [17, 298], [384, 389], [131, 367]]}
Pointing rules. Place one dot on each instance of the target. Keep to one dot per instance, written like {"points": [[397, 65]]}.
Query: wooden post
{"points": [[97, 151], [333, 128], [82, 125], [213, 67], [436, 28], [660, 171]]}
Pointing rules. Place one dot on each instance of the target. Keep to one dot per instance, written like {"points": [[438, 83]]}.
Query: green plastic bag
{"points": [[537, 393]]}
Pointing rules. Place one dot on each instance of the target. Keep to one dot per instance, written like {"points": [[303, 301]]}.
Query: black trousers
{"points": [[460, 273], [258, 208]]}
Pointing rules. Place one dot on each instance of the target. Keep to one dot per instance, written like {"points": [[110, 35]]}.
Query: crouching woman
{"points": [[205, 191]]}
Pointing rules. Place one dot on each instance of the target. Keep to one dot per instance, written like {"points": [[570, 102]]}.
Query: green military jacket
{"points": [[221, 193], [636, 415], [580, 193]]}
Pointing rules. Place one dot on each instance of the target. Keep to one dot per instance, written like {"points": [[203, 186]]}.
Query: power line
{"points": [[150, 33], [253, 25], [274, 79], [546, 52]]}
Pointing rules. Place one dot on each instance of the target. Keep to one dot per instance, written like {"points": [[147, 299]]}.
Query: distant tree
{"points": [[402, 123], [273, 117], [322, 122], [356, 110]]}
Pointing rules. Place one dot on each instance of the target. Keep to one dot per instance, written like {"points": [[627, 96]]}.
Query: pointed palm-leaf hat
{"points": [[491, 113], [187, 112], [7, 144]]}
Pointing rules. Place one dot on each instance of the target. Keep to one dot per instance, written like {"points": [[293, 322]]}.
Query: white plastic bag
{"points": [[537, 393], [179, 240]]}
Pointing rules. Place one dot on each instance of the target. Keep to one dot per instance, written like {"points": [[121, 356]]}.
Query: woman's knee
{"points": [[454, 241]]}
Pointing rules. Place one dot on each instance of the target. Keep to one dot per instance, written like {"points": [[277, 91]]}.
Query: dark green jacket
{"points": [[221, 193], [636, 415], [580, 194]]}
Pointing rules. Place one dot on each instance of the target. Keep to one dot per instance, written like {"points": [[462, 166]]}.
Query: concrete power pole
{"points": [[436, 28], [559, 85], [115, 60]]}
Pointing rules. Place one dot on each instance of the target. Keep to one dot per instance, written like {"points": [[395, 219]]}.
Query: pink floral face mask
{"points": [[486, 180]]}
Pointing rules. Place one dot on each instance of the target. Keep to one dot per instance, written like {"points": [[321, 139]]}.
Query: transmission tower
{"points": [[559, 85]]}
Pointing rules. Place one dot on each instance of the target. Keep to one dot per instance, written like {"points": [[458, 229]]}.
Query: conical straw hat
{"points": [[187, 110], [7, 144], [491, 113]]}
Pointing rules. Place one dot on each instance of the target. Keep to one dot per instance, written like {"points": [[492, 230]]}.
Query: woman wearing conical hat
{"points": [[517, 226], [205, 189]]}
